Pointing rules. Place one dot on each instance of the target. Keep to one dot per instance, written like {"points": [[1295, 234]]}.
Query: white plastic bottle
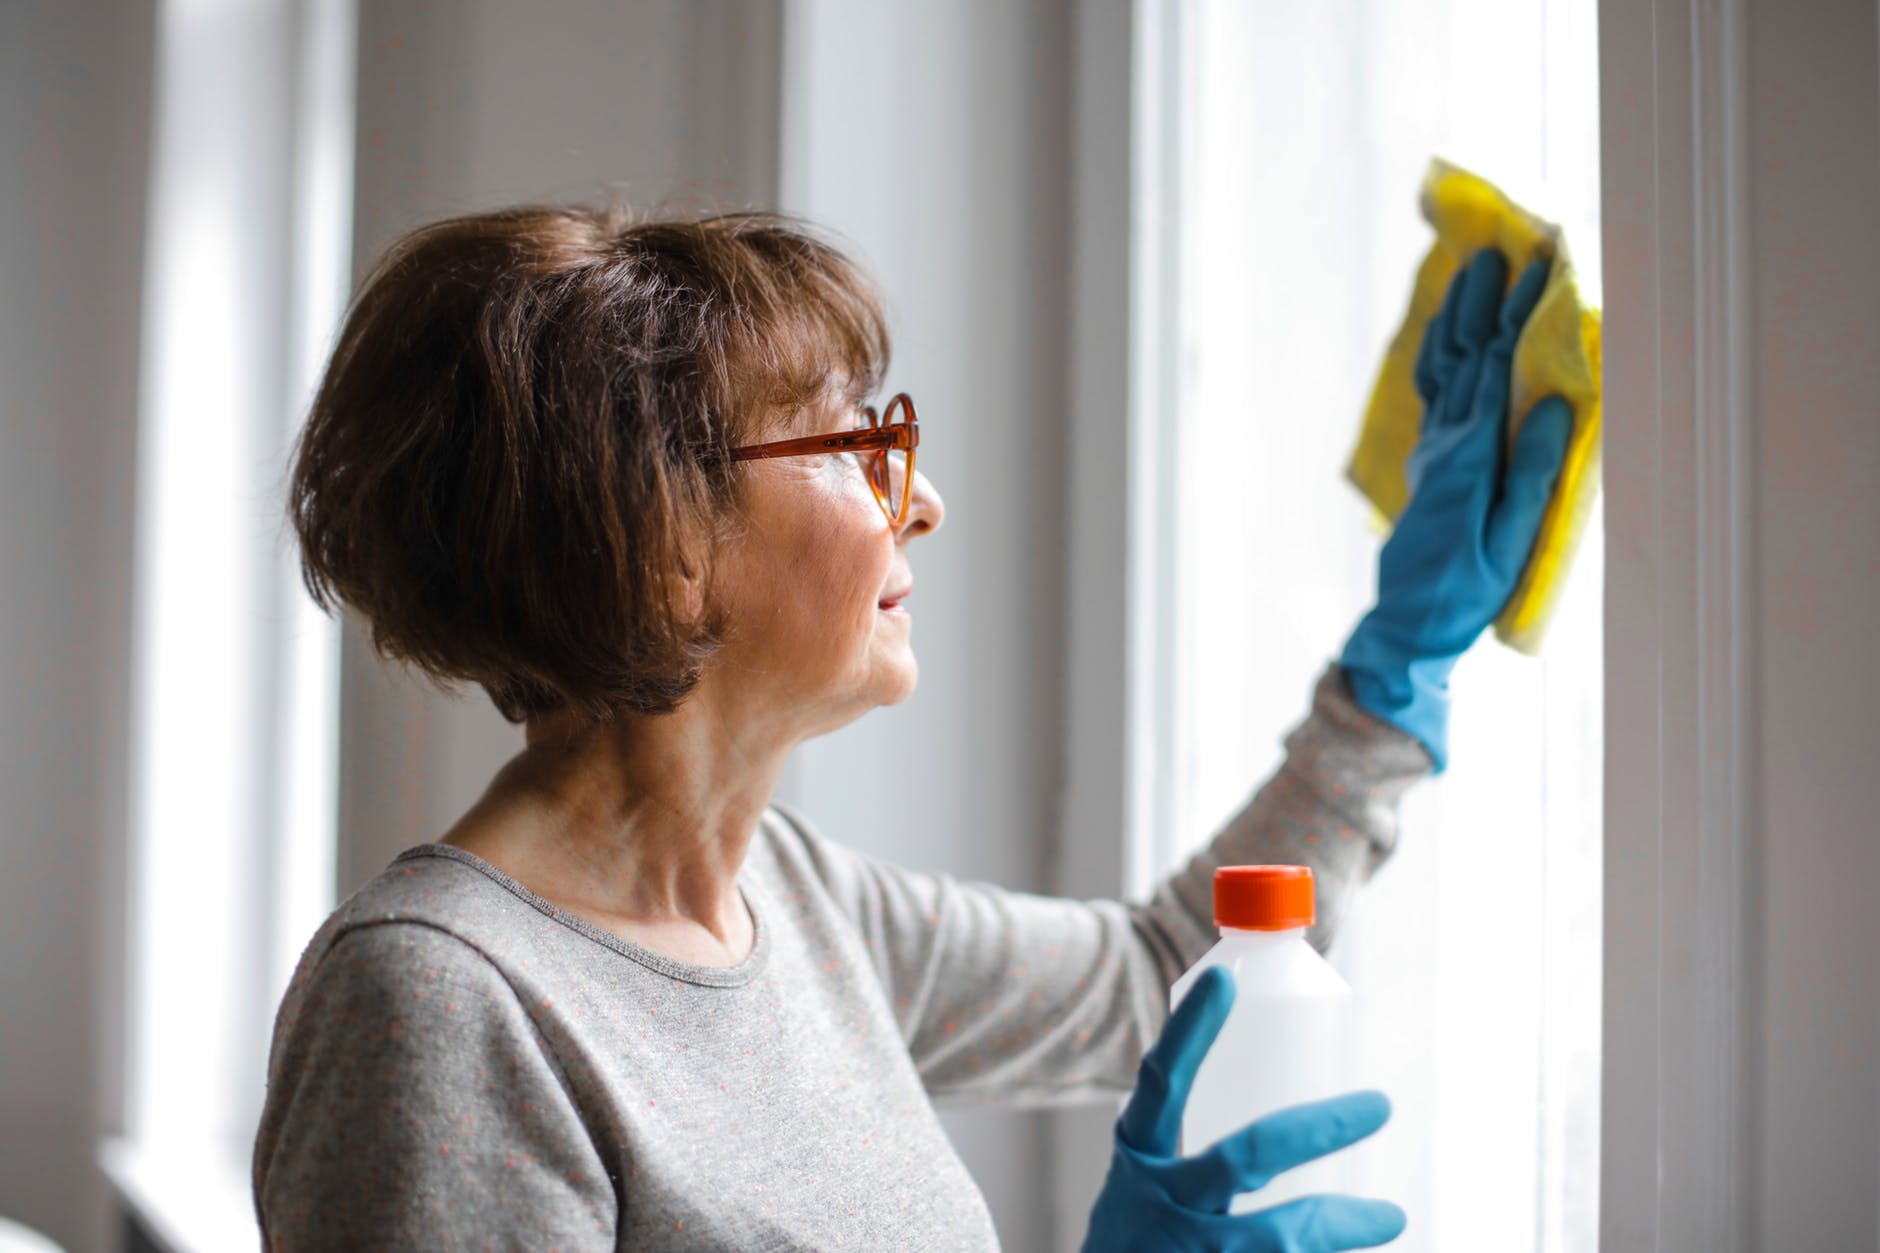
{"points": [[1288, 1038]]}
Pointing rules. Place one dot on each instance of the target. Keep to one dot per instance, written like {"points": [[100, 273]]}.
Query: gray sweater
{"points": [[460, 1064]]}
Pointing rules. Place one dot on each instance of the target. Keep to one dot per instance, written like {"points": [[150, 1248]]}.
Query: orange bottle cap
{"points": [[1263, 898]]}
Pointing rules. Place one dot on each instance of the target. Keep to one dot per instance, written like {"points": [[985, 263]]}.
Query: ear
{"points": [[688, 592], [690, 587]]}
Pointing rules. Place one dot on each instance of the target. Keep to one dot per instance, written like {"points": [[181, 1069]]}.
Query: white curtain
{"points": [[1304, 132]]}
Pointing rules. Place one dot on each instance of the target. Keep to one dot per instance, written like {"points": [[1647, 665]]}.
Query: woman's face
{"points": [[814, 586]]}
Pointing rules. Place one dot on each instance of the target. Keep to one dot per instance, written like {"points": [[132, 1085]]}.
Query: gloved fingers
{"points": [[1473, 449], [1151, 1122], [1490, 401], [1248, 1159], [1480, 308], [1477, 311], [1482, 436], [1521, 301], [1533, 469], [1332, 1223], [1434, 360], [1489, 404]]}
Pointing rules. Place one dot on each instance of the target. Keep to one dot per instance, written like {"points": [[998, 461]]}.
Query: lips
{"points": [[893, 599]]}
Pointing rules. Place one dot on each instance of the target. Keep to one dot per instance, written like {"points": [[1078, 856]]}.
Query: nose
{"points": [[925, 510]]}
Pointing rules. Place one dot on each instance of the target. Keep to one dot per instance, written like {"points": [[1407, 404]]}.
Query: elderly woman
{"points": [[622, 476]]}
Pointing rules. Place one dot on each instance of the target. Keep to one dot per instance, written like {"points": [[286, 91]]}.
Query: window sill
{"points": [[190, 1198]]}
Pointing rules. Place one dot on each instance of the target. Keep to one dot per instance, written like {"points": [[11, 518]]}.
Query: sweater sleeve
{"points": [[412, 1104], [1032, 1000], [1332, 805]]}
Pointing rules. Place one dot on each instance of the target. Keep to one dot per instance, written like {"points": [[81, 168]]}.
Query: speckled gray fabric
{"points": [[459, 1064]]}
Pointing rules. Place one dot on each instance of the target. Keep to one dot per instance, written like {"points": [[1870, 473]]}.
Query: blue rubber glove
{"points": [[1154, 1200], [1460, 545]]}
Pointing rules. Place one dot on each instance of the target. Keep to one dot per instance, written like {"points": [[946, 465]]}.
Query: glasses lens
{"points": [[881, 477], [894, 470], [889, 468]]}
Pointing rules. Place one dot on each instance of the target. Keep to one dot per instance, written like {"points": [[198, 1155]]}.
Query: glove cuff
{"points": [[1410, 694]]}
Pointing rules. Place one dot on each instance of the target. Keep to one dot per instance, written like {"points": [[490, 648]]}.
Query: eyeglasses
{"points": [[885, 448]]}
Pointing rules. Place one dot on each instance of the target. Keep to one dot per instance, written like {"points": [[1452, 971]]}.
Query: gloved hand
{"points": [[1458, 548], [1155, 1202]]}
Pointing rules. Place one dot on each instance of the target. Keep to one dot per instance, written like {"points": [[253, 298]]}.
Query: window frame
{"points": [[1116, 716], [1681, 714], [231, 842]]}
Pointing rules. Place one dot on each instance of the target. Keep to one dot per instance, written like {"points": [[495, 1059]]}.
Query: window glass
{"points": [[1302, 133]]}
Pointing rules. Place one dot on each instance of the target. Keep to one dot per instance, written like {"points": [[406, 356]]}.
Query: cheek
{"points": [[817, 577], [851, 561]]}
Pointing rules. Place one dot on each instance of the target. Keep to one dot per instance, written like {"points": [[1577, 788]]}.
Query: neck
{"points": [[644, 820]]}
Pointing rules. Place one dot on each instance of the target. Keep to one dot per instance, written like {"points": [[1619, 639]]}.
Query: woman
{"points": [[621, 476]]}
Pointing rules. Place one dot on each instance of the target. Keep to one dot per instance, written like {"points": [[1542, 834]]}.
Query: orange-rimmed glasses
{"points": [[885, 448]]}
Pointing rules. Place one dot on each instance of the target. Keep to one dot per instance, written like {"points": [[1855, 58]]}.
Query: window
{"points": [[235, 670], [1295, 140]]}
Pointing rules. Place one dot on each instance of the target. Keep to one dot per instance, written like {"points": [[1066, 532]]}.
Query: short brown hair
{"points": [[520, 444]]}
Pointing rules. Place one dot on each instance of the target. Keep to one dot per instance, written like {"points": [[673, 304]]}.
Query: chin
{"points": [[901, 684]]}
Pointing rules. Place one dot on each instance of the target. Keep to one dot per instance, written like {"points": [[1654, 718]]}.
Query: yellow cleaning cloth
{"points": [[1557, 355]]}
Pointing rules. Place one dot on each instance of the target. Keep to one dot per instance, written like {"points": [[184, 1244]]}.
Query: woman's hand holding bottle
{"points": [[1154, 1200]]}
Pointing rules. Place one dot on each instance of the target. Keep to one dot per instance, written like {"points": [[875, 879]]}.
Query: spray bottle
{"points": [[1288, 1038]]}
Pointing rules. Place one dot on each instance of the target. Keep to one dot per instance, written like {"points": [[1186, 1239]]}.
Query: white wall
{"points": [[74, 90]]}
